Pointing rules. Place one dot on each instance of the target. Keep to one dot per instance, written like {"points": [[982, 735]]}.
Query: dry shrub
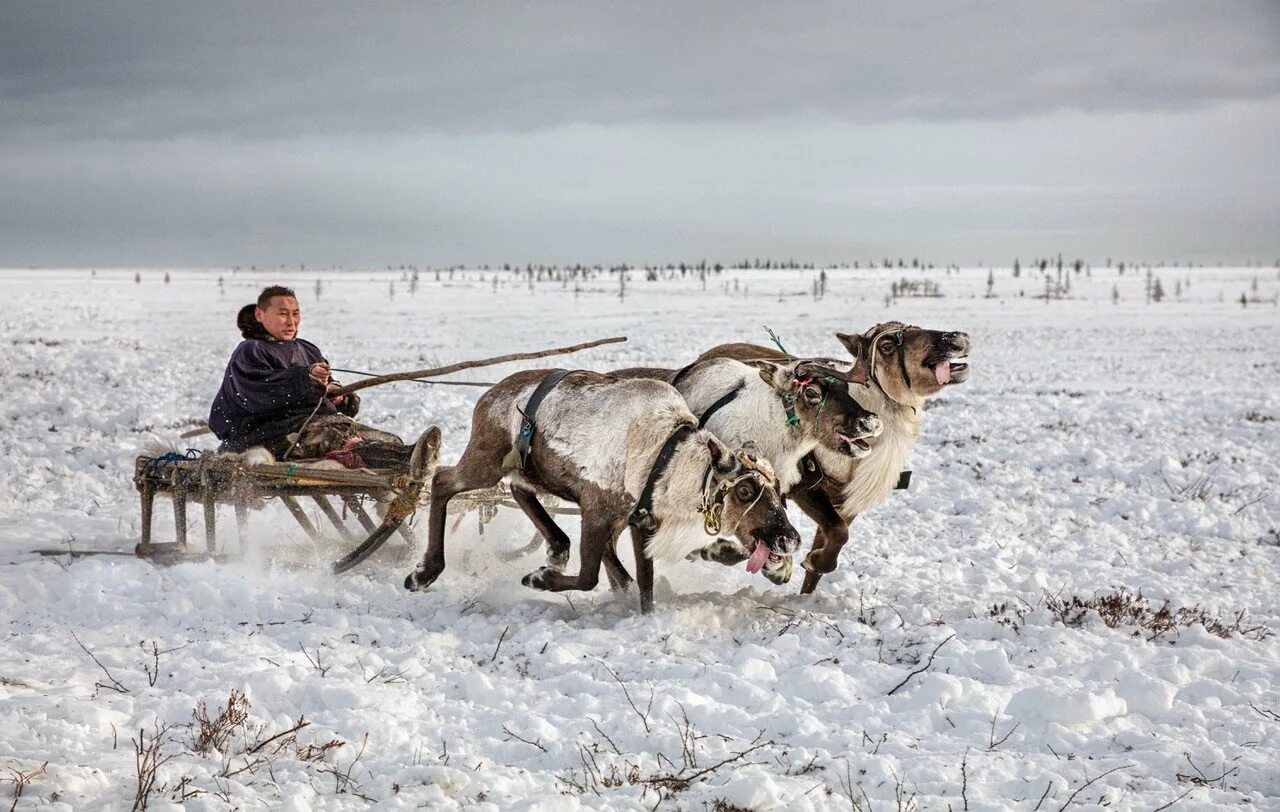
{"points": [[1126, 609]]}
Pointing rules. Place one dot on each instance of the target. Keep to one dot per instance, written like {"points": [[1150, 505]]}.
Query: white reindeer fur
{"points": [[871, 479], [613, 432], [756, 414]]}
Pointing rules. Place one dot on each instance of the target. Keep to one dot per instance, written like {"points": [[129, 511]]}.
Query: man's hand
{"points": [[340, 399], [319, 373]]}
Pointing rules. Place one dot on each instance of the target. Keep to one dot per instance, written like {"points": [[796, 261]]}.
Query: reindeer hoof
{"points": [[724, 551], [541, 578], [814, 563], [419, 580], [780, 573]]}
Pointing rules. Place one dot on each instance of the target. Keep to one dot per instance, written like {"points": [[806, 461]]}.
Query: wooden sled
{"points": [[211, 479]]}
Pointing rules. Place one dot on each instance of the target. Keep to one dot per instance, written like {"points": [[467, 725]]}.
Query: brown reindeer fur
{"points": [[595, 442]]}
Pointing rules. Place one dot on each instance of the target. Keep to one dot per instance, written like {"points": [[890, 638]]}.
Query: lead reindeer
{"points": [[788, 408], [628, 452], [908, 365]]}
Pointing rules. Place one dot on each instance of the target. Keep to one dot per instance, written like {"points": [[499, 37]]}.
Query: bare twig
{"points": [[512, 735], [153, 671], [644, 716], [451, 368], [317, 662], [668, 780], [611, 742], [115, 685], [1090, 782], [1266, 713], [1044, 795], [992, 742], [148, 758], [302, 722], [921, 670], [20, 780], [498, 647], [1175, 800]]}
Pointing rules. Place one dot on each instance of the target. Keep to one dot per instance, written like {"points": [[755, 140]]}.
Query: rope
{"points": [[774, 337], [163, 466]]}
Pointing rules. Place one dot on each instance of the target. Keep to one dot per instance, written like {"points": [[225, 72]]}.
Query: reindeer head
{"points": [[910, 363], [816, 391], [741, 499]]}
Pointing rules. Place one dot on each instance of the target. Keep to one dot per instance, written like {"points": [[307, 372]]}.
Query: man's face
{"points": [[280, 317]]}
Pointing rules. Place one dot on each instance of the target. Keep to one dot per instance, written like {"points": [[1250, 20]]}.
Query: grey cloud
{"points": [[146, 71]]}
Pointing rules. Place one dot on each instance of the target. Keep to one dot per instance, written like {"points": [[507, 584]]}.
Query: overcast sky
{"points": [[216, 134]]}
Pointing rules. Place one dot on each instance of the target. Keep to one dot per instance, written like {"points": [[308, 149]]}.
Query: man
{"points": [[275, 394]]}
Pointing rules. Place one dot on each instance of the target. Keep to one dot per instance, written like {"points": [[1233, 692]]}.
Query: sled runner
{"points": [[213, 479]]}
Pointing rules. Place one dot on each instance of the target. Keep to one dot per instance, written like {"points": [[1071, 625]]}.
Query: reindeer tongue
{"points": [[758, 556], [942, 372]]}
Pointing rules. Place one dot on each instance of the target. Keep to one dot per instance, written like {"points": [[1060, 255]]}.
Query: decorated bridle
{"points": [[897, 333], [714, 496], [805, 373]]}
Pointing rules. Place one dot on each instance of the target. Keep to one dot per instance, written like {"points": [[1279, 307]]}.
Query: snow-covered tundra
{"points": [[962, 650]]}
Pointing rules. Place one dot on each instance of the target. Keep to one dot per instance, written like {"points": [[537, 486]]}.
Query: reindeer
{"points": [[627, 451], [788, 408], [908, 365]]}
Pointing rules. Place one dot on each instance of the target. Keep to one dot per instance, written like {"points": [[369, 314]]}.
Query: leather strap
{"points": [[524, 443], [644, 505], [723, 401]]}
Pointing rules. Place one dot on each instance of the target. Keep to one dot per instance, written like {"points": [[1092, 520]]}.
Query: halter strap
{"points": [[902, 361], [644, 505]]}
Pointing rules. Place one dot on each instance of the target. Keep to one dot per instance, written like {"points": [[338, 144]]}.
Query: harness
{"points": [[524, 443], [902, 357], [684, 370], [712, 498], [811, 474], [644, 505], [724, 400]]}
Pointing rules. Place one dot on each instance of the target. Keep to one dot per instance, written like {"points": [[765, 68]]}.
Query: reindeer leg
{"points": [[422, 467], [598, 534], [644, 569], [473, 471], [619, 578], [832, 535], [557, 540]]}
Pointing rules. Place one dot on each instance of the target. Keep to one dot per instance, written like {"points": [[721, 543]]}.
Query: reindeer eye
{"points": [[812, 394], [744, 493], [887, 345]]}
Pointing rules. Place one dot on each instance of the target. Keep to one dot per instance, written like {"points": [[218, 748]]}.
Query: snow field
{"points": [[1097, 446]]}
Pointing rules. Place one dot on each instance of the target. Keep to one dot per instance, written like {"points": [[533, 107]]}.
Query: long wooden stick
{"points": [[446, 370]]}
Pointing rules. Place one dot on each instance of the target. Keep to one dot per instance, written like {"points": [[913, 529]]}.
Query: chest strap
{"points": [[811, 474], [724, 400], [524, 443], [644, 505]]}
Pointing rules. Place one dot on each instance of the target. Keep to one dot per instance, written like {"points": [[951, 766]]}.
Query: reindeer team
{"points": [[698, 462]]}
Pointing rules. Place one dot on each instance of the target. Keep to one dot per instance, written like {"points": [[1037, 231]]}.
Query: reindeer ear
{"points": [[721, 457], [855, 344], [859, 348], [770, 371]]}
